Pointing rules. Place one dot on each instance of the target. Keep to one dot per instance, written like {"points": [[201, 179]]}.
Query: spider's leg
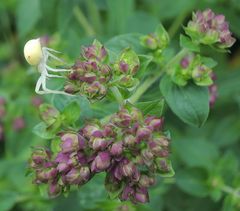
{"points": [[54, 76], [46, 52], [38, 86], [57, 70], [50, 49], [49, 91]]}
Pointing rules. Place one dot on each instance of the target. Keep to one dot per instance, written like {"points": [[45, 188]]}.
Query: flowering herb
{"points": [[129, 145]]}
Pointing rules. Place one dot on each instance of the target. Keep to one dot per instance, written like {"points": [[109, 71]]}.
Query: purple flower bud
{"points": [[99, 143], [129, 140], [62, 160], [46, 174], [88, 77], [128, 168], [73, 176], [123, 67], [70, 142], [143, 134], [18, 124], [127, 193], [39, 157], [147, 157], [116, 149], [36, 101], [101, 162], [54, 189], [146, 181], [70, 88], [85, 173], [184, 62], [92, 130], [155, 123], [141, 195]]}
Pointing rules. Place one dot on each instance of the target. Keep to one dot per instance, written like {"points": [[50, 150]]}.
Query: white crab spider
{"points": [[38, 56]]}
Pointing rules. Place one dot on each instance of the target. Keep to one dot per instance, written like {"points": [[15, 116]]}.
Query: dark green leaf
{"points": [[190, 103], [192, 182]]}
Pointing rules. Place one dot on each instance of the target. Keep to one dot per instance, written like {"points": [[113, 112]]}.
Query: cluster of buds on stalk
{"points": [[191, 67], [158, 40], [125, 68], [210, 29], [91, 73], [130, 148]]}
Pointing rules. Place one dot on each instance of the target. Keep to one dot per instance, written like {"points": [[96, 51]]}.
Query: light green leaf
{"points": [[71, 112], [186, 42]]}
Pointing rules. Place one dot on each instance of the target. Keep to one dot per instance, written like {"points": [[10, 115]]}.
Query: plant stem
{"points": [[117, 94], [83, 21], [230, 190], [152, 79], [176, 24]]}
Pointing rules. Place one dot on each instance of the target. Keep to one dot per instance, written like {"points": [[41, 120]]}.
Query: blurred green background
{"points": [[206, 160]]}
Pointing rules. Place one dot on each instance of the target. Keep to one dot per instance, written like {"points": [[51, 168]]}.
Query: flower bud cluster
{"points": [[158, 40], [191, 67], [210, 29], [125, 68], [131, 149], [91, 73]]}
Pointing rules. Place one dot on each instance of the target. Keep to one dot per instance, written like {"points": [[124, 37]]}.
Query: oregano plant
{"points": [[131, 145]]}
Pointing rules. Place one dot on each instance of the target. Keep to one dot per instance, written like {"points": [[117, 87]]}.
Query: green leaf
{"points": [[42, 131], [55, 145], [154, 107], [186, 42], [28, 14], [8, 200], [193, 182], [209, 62], [201, 152], [145, 60], [118, 43], [71, 112], [190, 103]]}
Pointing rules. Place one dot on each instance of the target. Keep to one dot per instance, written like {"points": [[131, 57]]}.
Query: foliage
{"points": [[205, 158]]}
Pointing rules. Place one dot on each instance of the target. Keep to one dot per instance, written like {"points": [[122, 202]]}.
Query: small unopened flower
{"points": [[101, 162], [18, 123], [157, 40], [208, 28], [70, 142], [125, 68], [54, 189]]}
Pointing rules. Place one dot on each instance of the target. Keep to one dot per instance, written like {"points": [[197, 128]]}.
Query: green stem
{"points": [[176, 24], [117, 94], [83, 21], [151, 80], [230, 190]]}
